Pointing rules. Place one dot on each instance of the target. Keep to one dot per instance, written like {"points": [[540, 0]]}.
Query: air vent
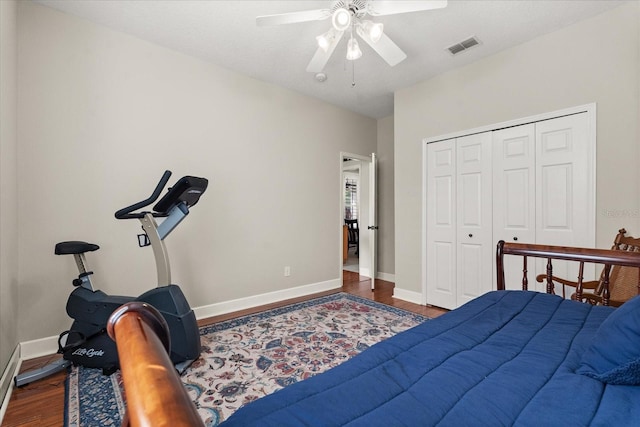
{"points": [[463, 45]]}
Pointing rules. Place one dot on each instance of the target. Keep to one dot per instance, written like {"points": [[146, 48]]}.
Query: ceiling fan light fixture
{"points": [[325, 40], [341, 19], [353, 50], [373, 30]]}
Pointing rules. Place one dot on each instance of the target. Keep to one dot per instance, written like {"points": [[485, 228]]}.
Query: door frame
{"points": [[343, 156], [589, 109]]}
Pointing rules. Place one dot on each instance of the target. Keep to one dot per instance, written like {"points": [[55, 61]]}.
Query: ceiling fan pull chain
{"points": [[353, 73]]}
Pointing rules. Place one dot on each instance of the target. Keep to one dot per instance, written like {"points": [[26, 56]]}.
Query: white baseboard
{"points": [[39, 347], [382, 276], [386, 277], [49, 345], [268, 298], [405, 295], [6, 383]]}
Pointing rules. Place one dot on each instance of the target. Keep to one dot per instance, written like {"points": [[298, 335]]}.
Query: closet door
{"points": [[543, 192], [441, 224], [564, 182], [514, 194], [474, 239]]}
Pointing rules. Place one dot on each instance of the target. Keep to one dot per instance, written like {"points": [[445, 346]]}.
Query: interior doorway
{"points": [[351, 183], [357, 216]]}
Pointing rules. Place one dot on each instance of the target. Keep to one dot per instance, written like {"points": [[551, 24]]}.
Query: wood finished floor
{"points": [[42, 403]]}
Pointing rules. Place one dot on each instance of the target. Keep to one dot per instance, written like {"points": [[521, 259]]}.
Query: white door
{"points": [[441, 224], [367, 209], [373, 220], [543, 192], [564, 198], [474, 239], [514, 194]]}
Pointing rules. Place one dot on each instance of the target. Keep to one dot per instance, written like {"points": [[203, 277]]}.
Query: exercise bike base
{"points": [[37, 374], [182, 366], [28, 377]]}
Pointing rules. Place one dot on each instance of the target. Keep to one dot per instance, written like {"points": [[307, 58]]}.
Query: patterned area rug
{"points": [[249, 357]]}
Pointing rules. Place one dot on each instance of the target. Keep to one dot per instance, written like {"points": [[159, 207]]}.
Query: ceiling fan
{"points": [[350, 16]]}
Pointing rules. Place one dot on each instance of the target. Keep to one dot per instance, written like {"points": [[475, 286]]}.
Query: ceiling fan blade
{"points": [[382, 7], [293, 17], [321, 57], [385, 47]]}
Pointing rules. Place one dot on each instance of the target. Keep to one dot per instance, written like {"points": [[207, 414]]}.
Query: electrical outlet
{"points": [[287, 271]]}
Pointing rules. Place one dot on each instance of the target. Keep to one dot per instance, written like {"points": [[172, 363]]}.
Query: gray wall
{"points": [[102, 114], [596, 60], [386, 250], [8, 202]]}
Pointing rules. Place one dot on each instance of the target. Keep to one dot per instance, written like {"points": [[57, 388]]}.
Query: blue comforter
{"points": [[506, 358]]}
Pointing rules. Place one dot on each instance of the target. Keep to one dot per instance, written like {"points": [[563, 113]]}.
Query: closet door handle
{"points": [[470, 235], [515, 238]]}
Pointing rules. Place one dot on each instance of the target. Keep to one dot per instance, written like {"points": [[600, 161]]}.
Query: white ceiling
{"points": [[225, 33]]}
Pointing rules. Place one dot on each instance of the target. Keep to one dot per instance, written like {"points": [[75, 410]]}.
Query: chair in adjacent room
{"points": [[354, 233]]}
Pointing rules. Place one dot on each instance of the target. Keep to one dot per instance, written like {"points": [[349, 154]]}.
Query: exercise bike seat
{"points": [[75, 247]]}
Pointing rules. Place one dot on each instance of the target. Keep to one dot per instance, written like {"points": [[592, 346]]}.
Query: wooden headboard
{"points": [[606, 257]]}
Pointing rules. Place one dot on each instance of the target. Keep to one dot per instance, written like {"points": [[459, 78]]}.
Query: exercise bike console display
{"points": [[86, 343]]}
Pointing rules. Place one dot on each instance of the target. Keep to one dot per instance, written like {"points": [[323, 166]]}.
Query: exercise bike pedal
{"points": [[74, 340]]}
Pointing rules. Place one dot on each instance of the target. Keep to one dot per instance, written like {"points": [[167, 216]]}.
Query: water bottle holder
{"points": [[143, 240]]}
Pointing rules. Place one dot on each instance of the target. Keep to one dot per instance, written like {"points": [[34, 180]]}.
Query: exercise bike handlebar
{"points": [[127, 213]]}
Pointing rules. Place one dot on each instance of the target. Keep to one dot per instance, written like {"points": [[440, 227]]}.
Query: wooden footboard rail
{"points": [[581, 255], [155, 394]]}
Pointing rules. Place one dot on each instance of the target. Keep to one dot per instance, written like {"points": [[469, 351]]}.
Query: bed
{"points": [[506, 358]]}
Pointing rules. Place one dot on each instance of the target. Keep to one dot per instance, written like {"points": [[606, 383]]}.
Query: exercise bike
{"points": [[86, 343]]}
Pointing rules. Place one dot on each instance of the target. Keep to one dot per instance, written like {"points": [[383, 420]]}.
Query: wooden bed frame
{"points": [[164, 401], [155, 394], [606, 257]]}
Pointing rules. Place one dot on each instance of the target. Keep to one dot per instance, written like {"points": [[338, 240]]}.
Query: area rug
{"points": [[249, 357]]}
